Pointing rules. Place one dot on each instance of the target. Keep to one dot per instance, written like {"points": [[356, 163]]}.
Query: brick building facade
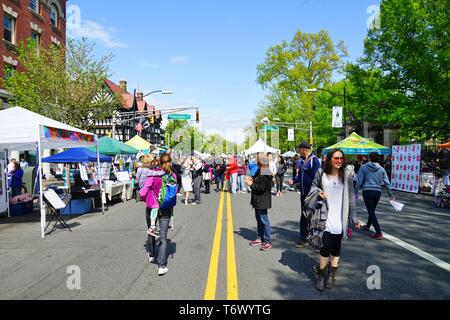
{"points": [[42, 20]]}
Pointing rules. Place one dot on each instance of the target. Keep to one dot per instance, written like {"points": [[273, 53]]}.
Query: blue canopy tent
{"points": [[76, 155]]}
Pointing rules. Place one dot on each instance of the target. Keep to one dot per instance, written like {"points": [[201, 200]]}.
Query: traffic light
{"points": [[197, 116], [152, 120], [257, 127]]}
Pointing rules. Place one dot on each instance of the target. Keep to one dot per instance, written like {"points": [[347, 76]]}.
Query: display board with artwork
{"points": [[406, 168]]}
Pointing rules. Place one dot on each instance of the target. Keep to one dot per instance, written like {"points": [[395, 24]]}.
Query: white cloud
{"points": [[179, 60], [95, 31], [150, 65]]}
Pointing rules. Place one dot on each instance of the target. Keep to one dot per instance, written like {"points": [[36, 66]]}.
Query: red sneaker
{"points": [[266, 246], [377, 236], [255, 243]]}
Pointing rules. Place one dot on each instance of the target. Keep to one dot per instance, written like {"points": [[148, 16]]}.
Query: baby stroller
{"points": [[442, 191]]}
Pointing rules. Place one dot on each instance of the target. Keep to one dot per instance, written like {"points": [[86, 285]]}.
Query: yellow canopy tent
{"points": [[139, 143]]}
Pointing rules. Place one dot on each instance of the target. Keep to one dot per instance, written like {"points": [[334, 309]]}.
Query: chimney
{"points": [[139, 96], [123, 86]]}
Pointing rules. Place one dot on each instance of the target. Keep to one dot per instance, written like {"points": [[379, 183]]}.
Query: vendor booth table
{"points": [[115, 188], [23, 130], [83, 198]]}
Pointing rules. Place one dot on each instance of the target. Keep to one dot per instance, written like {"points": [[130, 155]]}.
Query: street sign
{"points": [[337, 117], [272, 128], [291, 135], [179, 117]]}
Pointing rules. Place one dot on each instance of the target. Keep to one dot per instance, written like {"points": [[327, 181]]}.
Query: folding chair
{"points": [[55, 203]]}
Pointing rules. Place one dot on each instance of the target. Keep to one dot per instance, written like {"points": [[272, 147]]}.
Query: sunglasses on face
{"points": [[338, 158]]}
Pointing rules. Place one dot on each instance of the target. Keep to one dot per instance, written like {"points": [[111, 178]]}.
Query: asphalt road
{"points": [[110, 253]]}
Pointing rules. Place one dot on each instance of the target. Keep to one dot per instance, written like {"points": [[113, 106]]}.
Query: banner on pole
{"points": [[337, 117], [291, 135], [406, 168]]}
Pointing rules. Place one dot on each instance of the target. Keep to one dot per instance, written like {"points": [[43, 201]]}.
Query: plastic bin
{"points": [[21, 208], [78, 206]]}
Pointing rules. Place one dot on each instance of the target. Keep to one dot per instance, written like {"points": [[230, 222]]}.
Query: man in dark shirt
{"points": [[305, 178]]}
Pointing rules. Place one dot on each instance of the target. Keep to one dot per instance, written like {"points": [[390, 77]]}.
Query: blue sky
{"points": [[207, 51]]}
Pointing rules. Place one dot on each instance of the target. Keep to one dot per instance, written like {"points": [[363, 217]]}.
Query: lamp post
{"points": [[345, 104], [265, 121]]}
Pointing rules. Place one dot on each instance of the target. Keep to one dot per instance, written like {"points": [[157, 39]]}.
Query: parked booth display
{"points": [[86, 190], [23, 130]]}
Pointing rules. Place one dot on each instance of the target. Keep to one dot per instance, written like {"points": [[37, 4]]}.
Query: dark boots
{"points": [[321, 280], [331, 278]]}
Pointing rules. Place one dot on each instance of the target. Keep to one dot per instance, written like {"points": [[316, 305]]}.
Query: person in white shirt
{"points": [[337, 191]]}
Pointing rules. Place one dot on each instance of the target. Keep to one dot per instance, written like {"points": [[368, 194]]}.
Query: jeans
{"points": [[219, 183], [241, 184], [303, 220], [161, 259], [371, 199], [233, 181], [207, 187], [262, 219], [197, 187]]}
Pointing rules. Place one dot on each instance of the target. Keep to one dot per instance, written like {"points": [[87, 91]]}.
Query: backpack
{"points": [[168, 194]]}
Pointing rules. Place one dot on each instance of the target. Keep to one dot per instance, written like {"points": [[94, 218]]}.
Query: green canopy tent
{"points": [[111, 147], [355, 144]]}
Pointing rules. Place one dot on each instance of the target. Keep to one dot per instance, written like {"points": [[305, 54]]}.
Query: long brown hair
{"points": [[329, 167], [166, 163]]}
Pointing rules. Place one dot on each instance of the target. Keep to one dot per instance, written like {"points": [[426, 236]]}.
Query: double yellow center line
{"points": [[232, 285]]}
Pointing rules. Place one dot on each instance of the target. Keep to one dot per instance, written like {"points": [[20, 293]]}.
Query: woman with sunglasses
{"points": [[334, 188]]}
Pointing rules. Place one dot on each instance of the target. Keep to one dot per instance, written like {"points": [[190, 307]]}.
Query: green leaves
{"points": [[407, 61], [65, 84]]}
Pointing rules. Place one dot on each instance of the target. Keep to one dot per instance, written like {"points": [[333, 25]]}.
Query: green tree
{"points": [[63, 83], [403, 78], [308, 61]]}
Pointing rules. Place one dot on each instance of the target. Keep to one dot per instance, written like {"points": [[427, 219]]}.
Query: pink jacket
{"points": [[150, 191]]}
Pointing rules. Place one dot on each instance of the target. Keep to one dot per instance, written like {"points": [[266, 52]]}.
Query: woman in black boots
{"points": [[330, 203]]}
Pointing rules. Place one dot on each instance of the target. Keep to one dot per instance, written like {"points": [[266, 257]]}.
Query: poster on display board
{"points": [[3, 186], [406, 168]]}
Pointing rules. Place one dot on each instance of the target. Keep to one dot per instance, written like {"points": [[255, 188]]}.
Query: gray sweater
{"points": [[372, 176]]}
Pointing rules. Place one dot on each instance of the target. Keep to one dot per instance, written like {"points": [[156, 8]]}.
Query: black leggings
{"points": [[279, 180], [331, 245]]}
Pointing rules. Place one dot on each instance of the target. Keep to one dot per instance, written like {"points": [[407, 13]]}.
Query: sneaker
{"points": [[194, 203], [301, 244], [255, 243], [150, 258], [162, 271], [377, 236], [266, 246]]}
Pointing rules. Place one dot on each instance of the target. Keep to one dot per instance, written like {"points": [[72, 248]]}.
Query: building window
{"points": [[8, 71], [36, 37], [34, 5], [54, 16], [8, 24]]}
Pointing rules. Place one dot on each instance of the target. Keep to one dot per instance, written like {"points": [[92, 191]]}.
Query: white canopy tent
{"points": [[260, 146], [289, 154], [23, 130]]}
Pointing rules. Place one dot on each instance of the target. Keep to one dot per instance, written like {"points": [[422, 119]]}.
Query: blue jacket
{"points": [[16, 179], [306, 174], [372, 176]]}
